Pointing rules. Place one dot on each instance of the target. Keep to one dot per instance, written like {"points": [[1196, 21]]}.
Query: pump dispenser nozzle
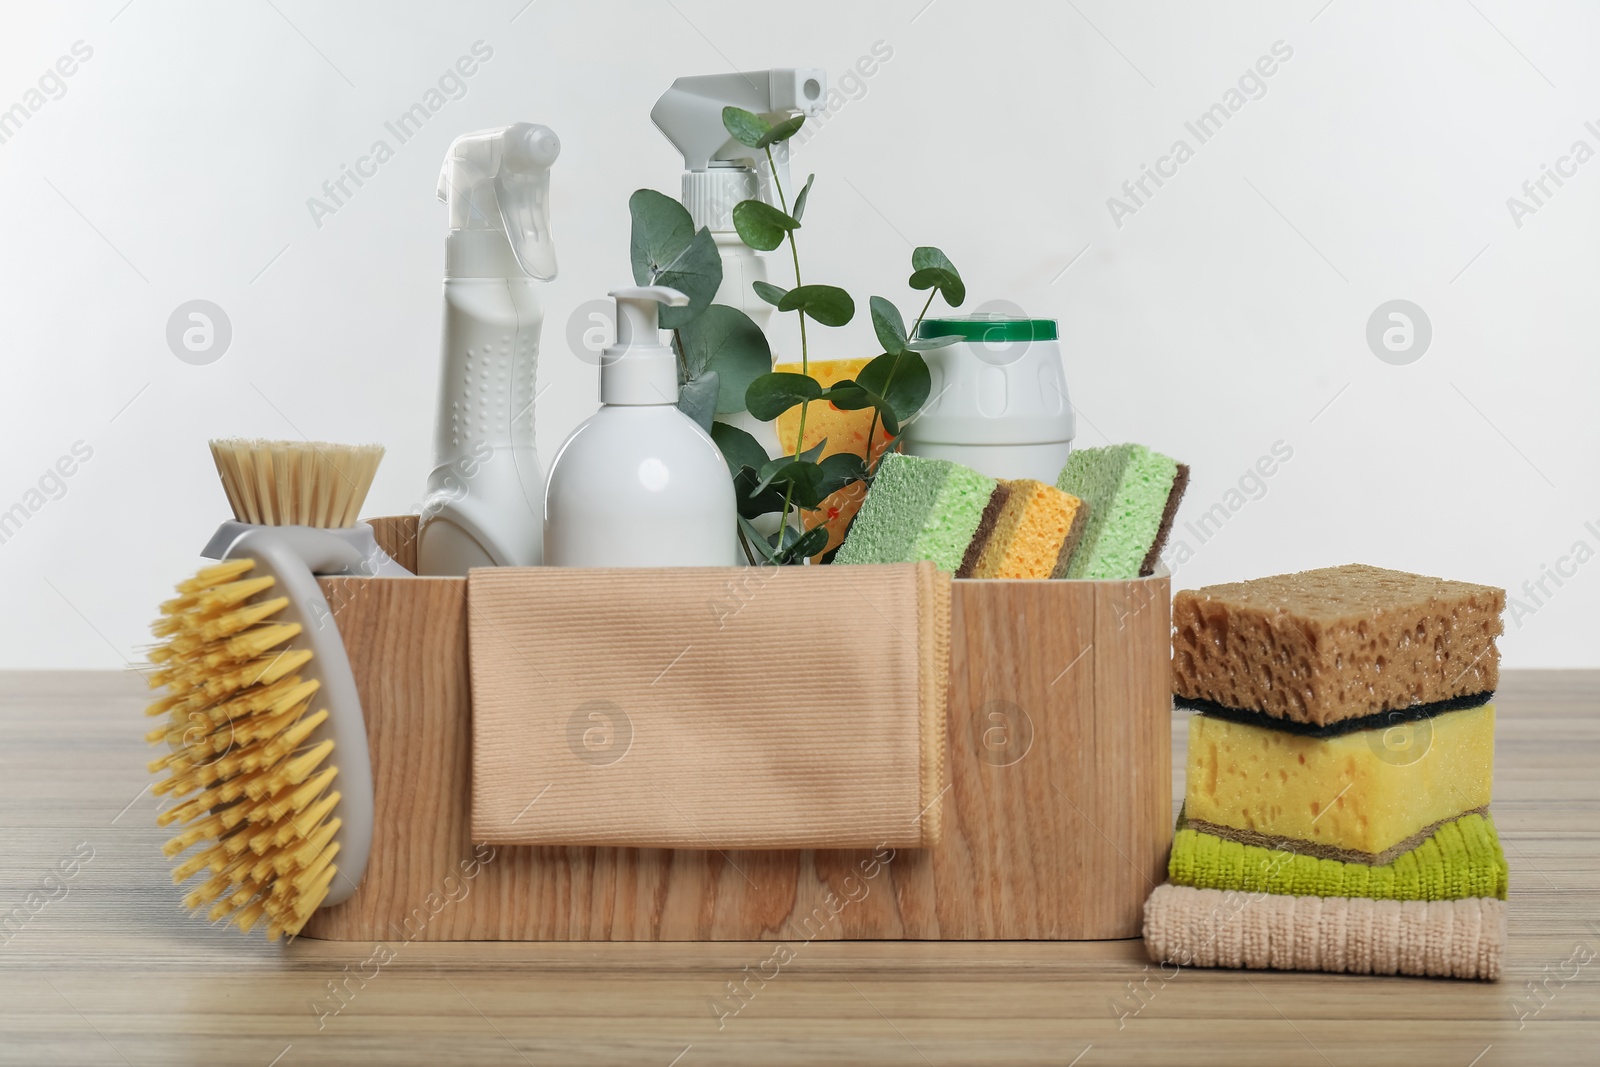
{"points": [[719, 171], [639, 369]]}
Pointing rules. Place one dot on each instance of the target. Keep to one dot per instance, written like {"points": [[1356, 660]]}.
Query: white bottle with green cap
{"points": [[639, 484], [998, 402]]}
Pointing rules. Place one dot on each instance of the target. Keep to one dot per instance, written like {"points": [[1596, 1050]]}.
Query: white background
{"points": [[1226, 315]]}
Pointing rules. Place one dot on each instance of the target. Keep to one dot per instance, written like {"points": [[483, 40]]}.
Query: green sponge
{"points": [[1462, 859], [1132, 495], [918, 509]]}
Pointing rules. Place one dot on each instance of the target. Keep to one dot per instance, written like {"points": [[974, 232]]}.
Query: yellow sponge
{"points": [[1365, 795], [1035, 532]]}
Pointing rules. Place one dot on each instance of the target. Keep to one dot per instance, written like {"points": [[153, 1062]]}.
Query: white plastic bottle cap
{"points": [[639, 369]]}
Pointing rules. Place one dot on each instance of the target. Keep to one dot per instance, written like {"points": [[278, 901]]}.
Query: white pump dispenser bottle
{"points": [[485, 493], [640, 484]]}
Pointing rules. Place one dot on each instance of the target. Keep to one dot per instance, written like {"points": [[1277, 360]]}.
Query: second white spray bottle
{"points": [[485, 502]]}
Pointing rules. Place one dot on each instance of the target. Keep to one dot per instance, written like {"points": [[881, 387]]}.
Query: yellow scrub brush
{"points": [[260, 698]]}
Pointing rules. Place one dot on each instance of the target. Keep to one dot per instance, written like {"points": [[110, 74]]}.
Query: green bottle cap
{"points": [[989, 328]]}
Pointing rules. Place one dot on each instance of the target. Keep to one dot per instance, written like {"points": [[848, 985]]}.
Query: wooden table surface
{"points": [[101, 966]]}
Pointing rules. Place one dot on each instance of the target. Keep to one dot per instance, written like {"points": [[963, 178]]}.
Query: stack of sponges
{"points": [[1106, 517], [1336, 811]]}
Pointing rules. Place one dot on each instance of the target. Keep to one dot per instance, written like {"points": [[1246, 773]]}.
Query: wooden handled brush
{"points": [[260, 698]]}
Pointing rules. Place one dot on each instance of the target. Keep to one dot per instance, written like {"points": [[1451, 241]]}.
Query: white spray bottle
{"points": [[718, 172], [485, 502], [640, 484]]}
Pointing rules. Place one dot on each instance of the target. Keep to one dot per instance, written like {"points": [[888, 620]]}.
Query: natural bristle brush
{"points": [[267, 749]]}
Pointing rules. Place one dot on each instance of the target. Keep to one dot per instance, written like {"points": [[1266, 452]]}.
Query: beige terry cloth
{"points": [[1344, 935], [709, 707]]}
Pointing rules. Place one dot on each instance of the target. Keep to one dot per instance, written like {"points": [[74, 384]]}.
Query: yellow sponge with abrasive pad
{"points": [[1362, 796], [1034, 534]]}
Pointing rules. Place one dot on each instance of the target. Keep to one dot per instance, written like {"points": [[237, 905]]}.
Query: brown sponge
{"points": [[1339, 643]]}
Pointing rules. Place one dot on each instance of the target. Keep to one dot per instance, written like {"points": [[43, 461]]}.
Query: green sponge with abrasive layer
{"points": [[918, 509], [1133, 495]]}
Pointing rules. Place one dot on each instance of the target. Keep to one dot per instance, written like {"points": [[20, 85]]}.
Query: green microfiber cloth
{"points": [[1462, 859], [1133, 496], [918, 509]]}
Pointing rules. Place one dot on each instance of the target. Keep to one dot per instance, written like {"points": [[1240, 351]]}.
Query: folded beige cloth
{"points": [[1345, 935], [709, 707]]}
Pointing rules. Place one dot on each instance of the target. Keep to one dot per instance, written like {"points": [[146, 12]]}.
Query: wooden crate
{"points": [[1056, 825]]}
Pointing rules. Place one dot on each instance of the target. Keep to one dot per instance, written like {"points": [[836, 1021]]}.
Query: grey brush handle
{"points": [[293, 556]]}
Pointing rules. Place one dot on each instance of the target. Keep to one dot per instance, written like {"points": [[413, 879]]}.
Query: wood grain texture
{"points": [[113, 971], [397, 535], [1056, 820]]}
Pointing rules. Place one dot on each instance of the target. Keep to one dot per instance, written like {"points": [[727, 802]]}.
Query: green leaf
{"points": [[840, 470], [723, 341], [900, 385], [888, 325], [773, 393], [800, 475], [928, 344], [666, 250], [828, 304], [931, 268], [772, 294], [781, 132], [697, 398], [847, 396], [738, 447], [746, 127], [697, 274], [761, 225], [760, 543], [800, 200], [755, 131], [810, 543]]}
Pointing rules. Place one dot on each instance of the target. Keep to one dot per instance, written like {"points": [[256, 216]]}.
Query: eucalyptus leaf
{"points": [[900, 383], [799, 476], [724, 341], [847, 396], [828, 304], [697, 274], [666, 250], [761, 225], [759, 542], [780, 132], [746, 127], [800, 200], [888, 325], [745, 456], [931, 268], [771, 394], [928, 344], [839, 470], [772, 294], [697, 398], [738, 447], [810, 543]]}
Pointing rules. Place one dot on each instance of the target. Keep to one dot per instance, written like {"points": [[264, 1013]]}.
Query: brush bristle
{"points": [[237, 733], [295, 483]]}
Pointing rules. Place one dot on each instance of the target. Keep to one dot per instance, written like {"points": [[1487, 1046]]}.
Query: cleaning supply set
{"points": [[1340, 766], [329, 714]]}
